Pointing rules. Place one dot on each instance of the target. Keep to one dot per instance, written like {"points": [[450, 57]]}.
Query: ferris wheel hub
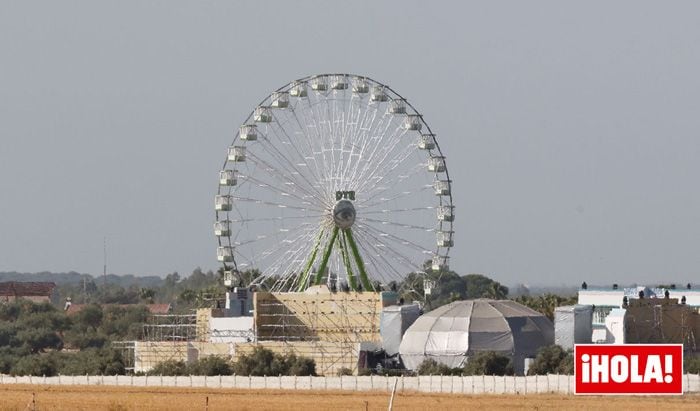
{"points": [[344, 214]]}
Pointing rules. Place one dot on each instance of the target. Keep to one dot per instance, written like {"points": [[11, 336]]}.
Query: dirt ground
{"points": [[36, 397]]}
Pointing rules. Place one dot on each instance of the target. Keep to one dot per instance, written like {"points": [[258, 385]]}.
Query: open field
{"points": [[19, 397]]}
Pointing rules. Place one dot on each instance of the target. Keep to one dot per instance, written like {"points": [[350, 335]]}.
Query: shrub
{"points": [[432, 367], [489, 363], [211, 365], [343, 371], [263, 361], [552, 359], [170, 367], [691, 365]]}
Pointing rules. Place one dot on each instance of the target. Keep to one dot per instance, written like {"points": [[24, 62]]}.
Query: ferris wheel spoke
{"points": [[397, 210], [296, 147], [410, 226], [279, 205], [383, 200], [284, 179], [393, 237], [277, 190], [378, 255], [288, 166], [388, 166]]}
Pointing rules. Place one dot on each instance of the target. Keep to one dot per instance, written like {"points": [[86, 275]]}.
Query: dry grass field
{"points": [[19, 397]]}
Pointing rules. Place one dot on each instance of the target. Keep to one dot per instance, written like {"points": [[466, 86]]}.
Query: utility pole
{"points": [[104, 266]]}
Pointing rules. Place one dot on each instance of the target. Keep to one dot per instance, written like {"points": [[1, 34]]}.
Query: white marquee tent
{"points": [[452, 333]]}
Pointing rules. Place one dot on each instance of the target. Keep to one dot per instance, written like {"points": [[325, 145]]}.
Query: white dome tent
{"points": [[452, 333]]}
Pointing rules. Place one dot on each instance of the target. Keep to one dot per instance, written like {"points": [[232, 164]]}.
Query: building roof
{"points": [[26, 289], [152, 308]]}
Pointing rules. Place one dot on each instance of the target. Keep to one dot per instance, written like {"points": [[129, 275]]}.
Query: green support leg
{"points": [[326, 255], [352, 282], [366, 284], [309, 264]]}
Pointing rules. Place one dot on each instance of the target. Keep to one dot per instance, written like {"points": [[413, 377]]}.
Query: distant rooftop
{"points": [[26, 289]]}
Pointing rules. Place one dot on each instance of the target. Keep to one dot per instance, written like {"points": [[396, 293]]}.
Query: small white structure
{"points": [[446, 213], [426, 142], [227, 178], [378, 94], [442, 188], [397, 106], [444, 239], [262, 114], [394, 322], [248, 132], [615, 326], [573, 325], [236, 154], [360, 86], [319, 84], [440, 262], [279, 99], [222, 228], [224, 254], [436, 164], [298, 89], [339, 82], [413, 122], [223, 203]]}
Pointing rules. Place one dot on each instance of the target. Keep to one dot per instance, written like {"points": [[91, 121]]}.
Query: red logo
{"points": [[628, 369]]}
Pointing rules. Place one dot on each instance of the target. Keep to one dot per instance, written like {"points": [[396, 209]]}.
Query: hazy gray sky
{"points": [[571, 128]]}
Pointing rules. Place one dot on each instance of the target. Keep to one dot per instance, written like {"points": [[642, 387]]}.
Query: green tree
{"points": [[480, 286], [552, 359], [489, 363]]}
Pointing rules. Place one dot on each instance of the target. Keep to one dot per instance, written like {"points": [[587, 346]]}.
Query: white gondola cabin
{"points": [[222, 228], [446, 213], [444, 238], [262, 115], [413, 122], [378, 94], [279, 99], [426, 142], [298, 89], [442, 188], [228, 278], [436, 164], [223, 203], [224, 254], [397, 106], [339, 83], [319, 84], [440, 263], [248, 132], [227, 178], [360, 86], [236, 153]]}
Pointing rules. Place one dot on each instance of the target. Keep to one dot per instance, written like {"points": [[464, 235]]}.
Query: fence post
{"points": [[280, 380], [205, 381], [355, 382], [234, 380], [295, 381]]}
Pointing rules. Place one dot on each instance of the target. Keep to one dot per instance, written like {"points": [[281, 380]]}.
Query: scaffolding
{"points": [[170, 327], [657, 320], [333, 328]]}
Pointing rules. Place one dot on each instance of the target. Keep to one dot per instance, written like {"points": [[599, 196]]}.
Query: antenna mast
{"points": [[104, 266]]}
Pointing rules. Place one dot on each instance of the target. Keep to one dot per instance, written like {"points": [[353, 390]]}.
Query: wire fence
{"points": [[481, 384]]}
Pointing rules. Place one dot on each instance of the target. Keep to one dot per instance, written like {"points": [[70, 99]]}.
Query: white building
{"points": [[605, 299]]}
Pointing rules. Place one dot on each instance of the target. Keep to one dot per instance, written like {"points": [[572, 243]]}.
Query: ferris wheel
{"points": [[333, 179]]}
